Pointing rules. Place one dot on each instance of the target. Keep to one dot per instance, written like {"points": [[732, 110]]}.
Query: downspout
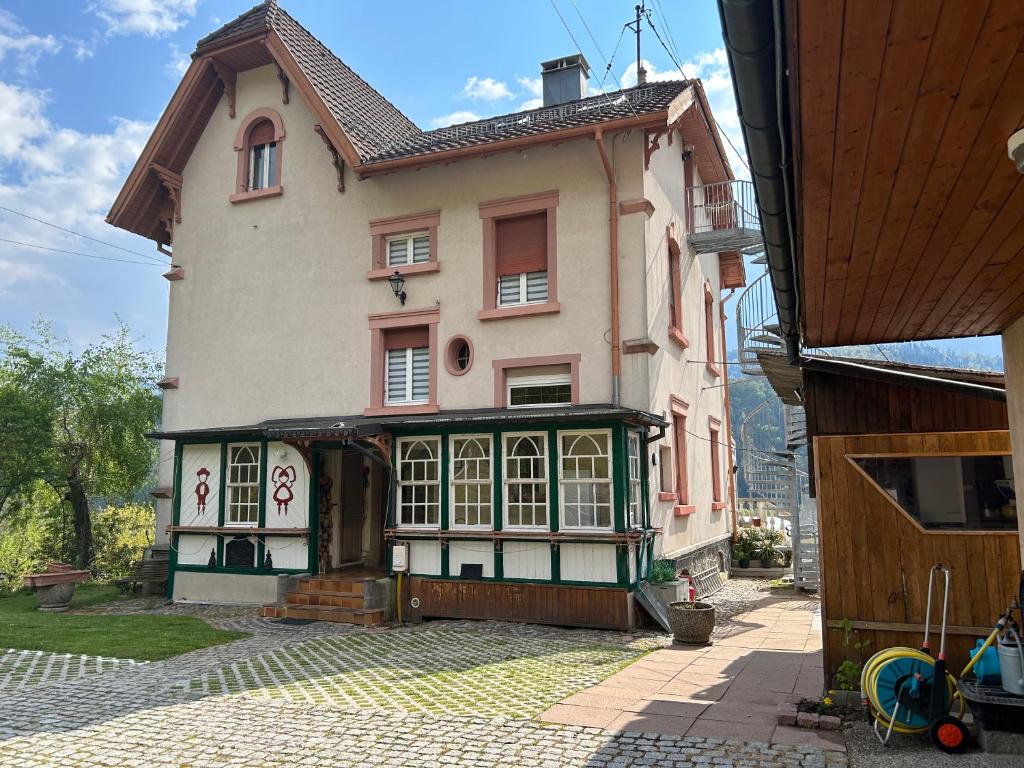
{"points": [[728, 416], [613, 257]]}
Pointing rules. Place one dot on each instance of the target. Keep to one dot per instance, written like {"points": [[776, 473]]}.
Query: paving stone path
{"points": [[24, 669], [171, 713]]}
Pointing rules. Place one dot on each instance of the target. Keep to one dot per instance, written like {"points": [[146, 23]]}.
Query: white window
{"points": [[419, 482], [471, 481], [539, 391], [243, 485], [585, 479], [635, 498], [408, 375], [523, 288], [526, 481], [408, 249], [262, 162]]}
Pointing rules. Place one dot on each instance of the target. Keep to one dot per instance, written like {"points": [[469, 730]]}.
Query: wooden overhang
{"points": [[908, 217]]}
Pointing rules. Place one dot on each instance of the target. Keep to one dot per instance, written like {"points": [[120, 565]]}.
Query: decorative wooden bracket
{"points": [[383, 445], [652, 143], [172, 184], [228, 77], [339, 164], [305, 450], [285, 82]]}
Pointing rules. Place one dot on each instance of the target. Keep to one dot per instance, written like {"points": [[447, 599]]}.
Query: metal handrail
{"points": [[723, 205], [755, 309]]}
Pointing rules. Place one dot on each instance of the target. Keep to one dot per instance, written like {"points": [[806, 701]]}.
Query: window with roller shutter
{"points": [[407, 366], [521, 259]]}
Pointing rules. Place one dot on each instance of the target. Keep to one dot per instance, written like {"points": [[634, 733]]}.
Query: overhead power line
{"points": [[79, 234], [76, 253]]}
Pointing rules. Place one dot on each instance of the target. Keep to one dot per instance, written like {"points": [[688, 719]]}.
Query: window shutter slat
{"points": [[537, 286], [398, 252], [421, 373], [402, 338], [508, 289], [261, 133], [421, 249], [396, 375], [521, 244]]}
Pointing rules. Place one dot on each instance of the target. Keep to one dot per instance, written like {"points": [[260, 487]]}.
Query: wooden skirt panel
{"points": [[875, 559], [597, 607]]}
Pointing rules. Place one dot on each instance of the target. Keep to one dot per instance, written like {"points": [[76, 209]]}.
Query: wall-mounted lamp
{"points": [[397, 286]]}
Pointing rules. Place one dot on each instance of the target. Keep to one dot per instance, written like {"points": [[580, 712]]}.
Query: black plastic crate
{"points": [[993, 708]]}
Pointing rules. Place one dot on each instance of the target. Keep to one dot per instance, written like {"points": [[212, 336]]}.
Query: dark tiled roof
{"points": [[379, 131], [368, 119], [638, 101]]}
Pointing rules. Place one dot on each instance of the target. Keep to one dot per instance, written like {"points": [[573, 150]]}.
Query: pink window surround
{"points": [[381, 229], [714, 430], [501, 368], [709, 331], [380, 325], [451, 350], [242, 145], [495, 210], [680, 409], [675, 305]]}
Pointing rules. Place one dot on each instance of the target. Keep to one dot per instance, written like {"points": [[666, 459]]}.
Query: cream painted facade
{"points": [[271, 318]]}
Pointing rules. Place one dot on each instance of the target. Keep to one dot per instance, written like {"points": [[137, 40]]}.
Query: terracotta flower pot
{"points": [[692, 623]]}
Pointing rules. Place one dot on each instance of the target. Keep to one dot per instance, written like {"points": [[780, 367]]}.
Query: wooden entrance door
{"points": [[352, 507]]}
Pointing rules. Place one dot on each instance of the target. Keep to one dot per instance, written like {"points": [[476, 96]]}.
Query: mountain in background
{"points": [[922, 353]]}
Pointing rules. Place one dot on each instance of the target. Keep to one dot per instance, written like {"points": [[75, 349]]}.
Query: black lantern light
{"points": [[397, 286]]}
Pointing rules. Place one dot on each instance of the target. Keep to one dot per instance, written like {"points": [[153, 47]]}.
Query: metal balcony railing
{"points": [[724, 217]]}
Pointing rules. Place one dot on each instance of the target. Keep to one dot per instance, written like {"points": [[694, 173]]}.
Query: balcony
{"points": [[724, 218]]}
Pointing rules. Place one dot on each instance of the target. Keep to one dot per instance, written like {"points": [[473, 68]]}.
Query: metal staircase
{"points": [[773, 436]]}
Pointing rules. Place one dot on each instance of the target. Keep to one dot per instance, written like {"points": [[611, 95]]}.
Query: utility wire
{"points": [[76, 253], [79, 234], [679, 66]]}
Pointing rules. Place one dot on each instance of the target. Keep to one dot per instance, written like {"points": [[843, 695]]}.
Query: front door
{"points": [[353, 507]]}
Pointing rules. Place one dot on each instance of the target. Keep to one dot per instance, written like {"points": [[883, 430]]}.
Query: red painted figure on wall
{"points": [[202, 489], [283, 478]]}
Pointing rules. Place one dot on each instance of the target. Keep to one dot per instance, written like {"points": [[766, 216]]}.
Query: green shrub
{"points": [[663, 571]]}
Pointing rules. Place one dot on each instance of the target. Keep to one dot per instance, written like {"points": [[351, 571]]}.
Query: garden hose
{"points": [[884, 675]]}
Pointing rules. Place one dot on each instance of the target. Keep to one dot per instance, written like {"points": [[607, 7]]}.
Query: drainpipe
{"points": [[613, 256], [728, 417]]}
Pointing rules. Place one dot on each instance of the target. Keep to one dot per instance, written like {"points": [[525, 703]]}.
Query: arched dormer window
{"points": [[258, 146]]}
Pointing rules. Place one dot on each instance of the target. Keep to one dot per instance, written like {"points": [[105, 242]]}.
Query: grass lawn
{"points": [[143, 638]]}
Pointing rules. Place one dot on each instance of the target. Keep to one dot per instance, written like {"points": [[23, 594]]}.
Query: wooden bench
{"points": [[144, 572]]}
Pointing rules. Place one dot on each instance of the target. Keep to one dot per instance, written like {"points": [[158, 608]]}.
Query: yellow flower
{"points": [[827, 701]]}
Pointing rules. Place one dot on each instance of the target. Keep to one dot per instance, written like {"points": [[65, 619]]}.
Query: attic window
{"points": [[258, 146]]}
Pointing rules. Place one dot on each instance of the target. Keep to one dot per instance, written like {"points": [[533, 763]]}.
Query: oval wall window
{"points": [[458, 356]]}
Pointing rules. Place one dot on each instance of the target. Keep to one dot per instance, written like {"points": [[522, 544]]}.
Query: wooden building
{"points": [[890, 445]]}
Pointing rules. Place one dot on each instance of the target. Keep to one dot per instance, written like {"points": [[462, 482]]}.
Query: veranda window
{"points": [[585, 479], [243, 485], [408, 249], [635, 498], [419, 482], [525, 481], [471, 481]]}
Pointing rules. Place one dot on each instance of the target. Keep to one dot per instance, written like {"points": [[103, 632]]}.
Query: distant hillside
{"points": [[922, 353]]}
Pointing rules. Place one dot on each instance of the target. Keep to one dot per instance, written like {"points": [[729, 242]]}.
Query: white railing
{"points": [[723, 205]]}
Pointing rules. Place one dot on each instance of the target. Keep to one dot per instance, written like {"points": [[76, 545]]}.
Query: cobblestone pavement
{"points": [[24, 669], [150, 714]]}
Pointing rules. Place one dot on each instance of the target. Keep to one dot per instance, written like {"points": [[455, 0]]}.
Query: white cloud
{"points": [[486, 89], [532, 85], [179, 62], [151, 18], [21, 118], [24, 47], [461, 116], [82, 49], [531, 104], [13, 273]]}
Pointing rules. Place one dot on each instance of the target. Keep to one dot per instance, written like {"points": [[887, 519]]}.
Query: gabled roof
{"points": [[365, 130]]}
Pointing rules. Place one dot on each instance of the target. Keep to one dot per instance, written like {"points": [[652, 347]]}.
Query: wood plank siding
{"points": [[877, 558], [601, 607], [912, 223]]}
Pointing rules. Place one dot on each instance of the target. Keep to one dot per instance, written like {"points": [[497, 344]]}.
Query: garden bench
{"points": [[144, 572]]}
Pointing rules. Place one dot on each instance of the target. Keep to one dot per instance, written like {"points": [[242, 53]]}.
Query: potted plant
{"points": [[741, 552], [665, 578], [692, 623], [770, 550]]}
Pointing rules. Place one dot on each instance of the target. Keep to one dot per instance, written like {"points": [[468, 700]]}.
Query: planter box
{"points": [[670, 592]]}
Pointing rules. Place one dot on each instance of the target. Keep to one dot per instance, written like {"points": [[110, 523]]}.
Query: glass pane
{"points": [[508, 290], [420, 249], [398, 252], [536, 286]]}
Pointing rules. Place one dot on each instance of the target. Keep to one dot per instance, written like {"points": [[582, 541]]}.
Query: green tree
{"points": [[98, 404]]}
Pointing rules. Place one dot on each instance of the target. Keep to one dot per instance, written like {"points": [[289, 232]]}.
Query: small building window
{"points": [[675, 291], [419, 482], [539, 391], [585, 479], [408, 249], [471, 481], [635, 509], [243, 485], [680, 439], [407, 366], [258, 145], [458, 356], [714, 430], [709, 331], [262, 156], [525, 481], [665, 470]]}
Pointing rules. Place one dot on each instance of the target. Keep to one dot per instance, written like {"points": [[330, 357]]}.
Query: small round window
{"points": [[458, 355]]}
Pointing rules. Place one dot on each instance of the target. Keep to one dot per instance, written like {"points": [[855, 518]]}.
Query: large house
{"points": [[488, 357]]}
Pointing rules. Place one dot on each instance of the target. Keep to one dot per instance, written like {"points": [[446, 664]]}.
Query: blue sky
{"points": [[83, 83]]}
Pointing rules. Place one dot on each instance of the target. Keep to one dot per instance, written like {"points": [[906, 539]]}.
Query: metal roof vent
{"points": [[565, 79]]}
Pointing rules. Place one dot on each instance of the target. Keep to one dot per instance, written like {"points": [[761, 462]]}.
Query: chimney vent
{"points": [[565, 79]]}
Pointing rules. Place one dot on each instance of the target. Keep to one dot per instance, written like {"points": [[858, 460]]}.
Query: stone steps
{"points": [[352, 600]]}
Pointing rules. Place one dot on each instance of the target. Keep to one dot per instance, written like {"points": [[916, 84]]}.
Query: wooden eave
{"points": [[909, 215], [699, 130]]}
